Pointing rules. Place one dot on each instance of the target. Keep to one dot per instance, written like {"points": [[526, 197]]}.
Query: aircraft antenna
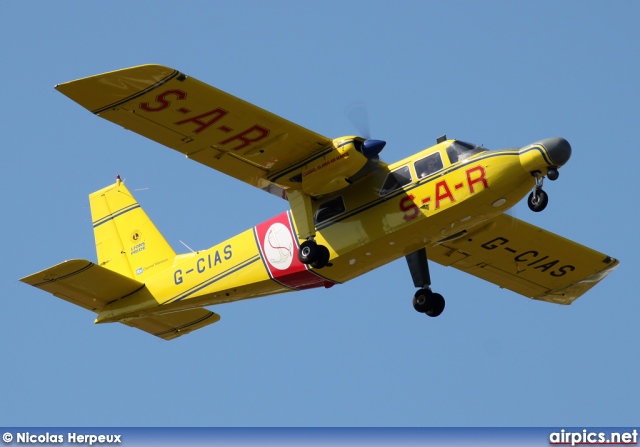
{"points": [[190, 249]]}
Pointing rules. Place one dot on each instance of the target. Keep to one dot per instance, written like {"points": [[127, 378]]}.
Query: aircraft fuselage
{"points": [[372, 229]]}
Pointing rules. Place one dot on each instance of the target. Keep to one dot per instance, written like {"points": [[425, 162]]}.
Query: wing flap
{"points": [[83, 283], [176, 324], [525, 259], [212, 127]]}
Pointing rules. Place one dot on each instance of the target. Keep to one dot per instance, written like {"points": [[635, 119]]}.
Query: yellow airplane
{"points": [[349, 212]]}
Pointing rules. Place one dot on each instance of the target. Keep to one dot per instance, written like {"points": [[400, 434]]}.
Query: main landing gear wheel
{"points": [[427, 302], [322, 259], [308, 252], [313, 254], [538, 200]]}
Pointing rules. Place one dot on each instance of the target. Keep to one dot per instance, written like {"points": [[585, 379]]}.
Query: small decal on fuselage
{"points": [[444, 193], [278, 246], [203, 264]]}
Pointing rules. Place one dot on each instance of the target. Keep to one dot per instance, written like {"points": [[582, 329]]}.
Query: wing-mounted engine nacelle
{"points": [[332, 172]]}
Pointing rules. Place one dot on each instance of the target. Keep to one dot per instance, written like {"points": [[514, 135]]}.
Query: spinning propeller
{"points": [[359, 117]]}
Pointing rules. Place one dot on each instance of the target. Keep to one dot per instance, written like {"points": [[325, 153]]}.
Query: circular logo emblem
{"points": [[278, 246], [135, 236]]}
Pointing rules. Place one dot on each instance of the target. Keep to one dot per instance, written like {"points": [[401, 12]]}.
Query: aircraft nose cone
{"points": [[371, 148], [558, 148]]}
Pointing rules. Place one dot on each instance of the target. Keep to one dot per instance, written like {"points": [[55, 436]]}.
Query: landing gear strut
{"points": [[424, 300], [538, 199], [317, 256], [309, 253]]}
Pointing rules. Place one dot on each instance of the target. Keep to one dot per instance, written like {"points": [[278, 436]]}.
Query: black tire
{"points": [[540, 203], [419, 300], [436, 305], [308, 252], [429, 303], [322, 259]]}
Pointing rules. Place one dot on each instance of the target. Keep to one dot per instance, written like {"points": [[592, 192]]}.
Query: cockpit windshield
{"points": [[459, 150]]}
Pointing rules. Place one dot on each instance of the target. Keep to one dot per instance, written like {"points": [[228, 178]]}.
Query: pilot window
{"points": [[395, 180], [459, 150], [329, 209], [428, 165]]}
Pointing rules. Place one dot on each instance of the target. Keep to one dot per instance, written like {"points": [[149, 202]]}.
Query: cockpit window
{"points": [[459, 150], [396, 179], [428, 165], [330, 208]]}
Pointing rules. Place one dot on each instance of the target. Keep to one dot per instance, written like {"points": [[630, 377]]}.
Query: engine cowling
{"points": [[333, 171]]}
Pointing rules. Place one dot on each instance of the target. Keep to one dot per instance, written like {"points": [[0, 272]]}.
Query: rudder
{"points": [[127, 241]]}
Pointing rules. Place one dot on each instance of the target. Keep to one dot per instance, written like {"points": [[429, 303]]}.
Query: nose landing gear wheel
{"points": [[427, 302], [538, 200]]}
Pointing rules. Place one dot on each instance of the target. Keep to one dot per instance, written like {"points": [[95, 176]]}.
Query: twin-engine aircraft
{"points": [[349, 212]]}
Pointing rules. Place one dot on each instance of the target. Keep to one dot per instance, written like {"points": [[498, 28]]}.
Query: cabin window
{"points": [[329, 209], [428, 165], [459, 150], [396, 179]]}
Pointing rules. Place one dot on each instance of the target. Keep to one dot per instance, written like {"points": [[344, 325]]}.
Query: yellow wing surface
{"points": [[83, 283], [91, 286], [206, 124], [526, 259]]}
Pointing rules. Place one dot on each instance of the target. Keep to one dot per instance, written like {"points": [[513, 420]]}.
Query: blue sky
{"points": [[498, 73]]}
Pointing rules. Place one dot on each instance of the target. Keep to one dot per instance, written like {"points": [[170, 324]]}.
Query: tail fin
{"points": [[127, 241]]}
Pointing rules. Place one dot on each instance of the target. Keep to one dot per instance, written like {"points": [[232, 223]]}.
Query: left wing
{"points": [[525, 259], [206, 124]]}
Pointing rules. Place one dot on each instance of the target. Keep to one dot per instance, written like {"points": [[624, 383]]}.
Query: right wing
{"points": [[526, 259], [206, 124]]}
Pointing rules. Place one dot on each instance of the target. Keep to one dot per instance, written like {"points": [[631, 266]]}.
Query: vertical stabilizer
{"points": [[127, 242]]}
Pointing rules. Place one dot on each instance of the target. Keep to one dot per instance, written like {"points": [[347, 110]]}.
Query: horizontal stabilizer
{"points": [[91, 286], [176, 324], [83, 283]]}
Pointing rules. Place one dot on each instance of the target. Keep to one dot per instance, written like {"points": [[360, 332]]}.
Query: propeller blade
{"points": [[359, 117]]}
